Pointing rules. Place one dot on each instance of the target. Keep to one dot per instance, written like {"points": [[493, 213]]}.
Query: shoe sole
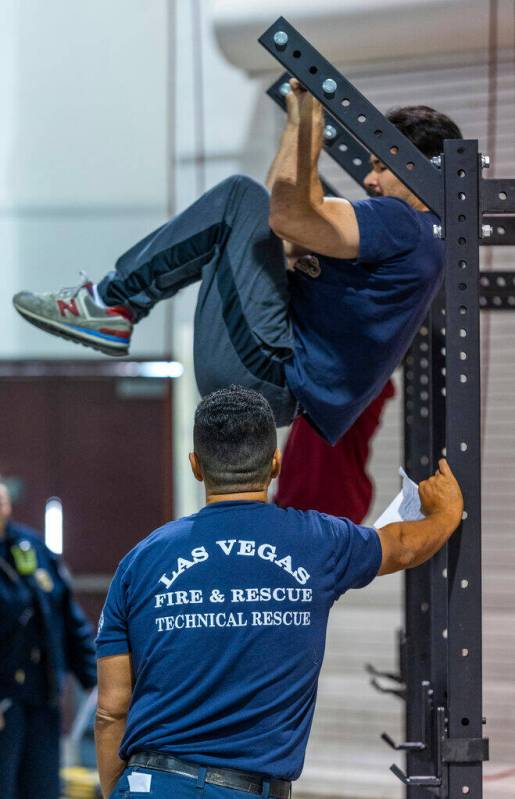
{"points": [[58, 330]]}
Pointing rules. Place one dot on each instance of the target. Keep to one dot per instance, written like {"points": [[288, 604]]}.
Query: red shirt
{"points": [[334, 480]]}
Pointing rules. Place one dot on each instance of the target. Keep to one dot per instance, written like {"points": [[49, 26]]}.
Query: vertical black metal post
{"points": [[464, 689], [438, 565], [417, 582]]}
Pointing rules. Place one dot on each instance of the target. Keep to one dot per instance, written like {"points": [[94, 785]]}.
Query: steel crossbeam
{"points": [[497, 196]]}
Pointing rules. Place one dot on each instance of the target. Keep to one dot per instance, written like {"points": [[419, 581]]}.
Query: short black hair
{"points": [[234, 438], [425, 127]]}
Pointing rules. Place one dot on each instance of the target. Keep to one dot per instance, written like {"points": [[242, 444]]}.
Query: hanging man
{"points": [[322, 341]]}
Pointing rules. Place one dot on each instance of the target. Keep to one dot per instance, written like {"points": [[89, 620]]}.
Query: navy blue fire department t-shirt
{"points": [[353, 324], [224, 614]]}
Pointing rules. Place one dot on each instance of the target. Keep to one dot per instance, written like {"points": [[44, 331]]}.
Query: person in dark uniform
{"points": [[43, 634], [212, 635], [323, 338]]}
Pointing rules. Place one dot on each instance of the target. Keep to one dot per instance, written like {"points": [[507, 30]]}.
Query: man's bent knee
{"points": [[244, 184]]}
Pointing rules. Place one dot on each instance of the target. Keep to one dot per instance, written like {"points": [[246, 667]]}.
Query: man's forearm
{"points": [[429, 535], [287, 142], [296, 180], [109, 731], [422, 539]]}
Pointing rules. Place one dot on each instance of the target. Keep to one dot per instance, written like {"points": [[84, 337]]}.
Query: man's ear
{"points": [[195, 467], [276, 463]]}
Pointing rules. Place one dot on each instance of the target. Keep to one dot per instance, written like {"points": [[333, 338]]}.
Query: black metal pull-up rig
{"points": [[440, 675]]}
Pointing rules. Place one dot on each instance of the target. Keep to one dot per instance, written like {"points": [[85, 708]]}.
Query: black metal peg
{"points": [[386, 675], [427, 781], [399, 692], [407, 746]]}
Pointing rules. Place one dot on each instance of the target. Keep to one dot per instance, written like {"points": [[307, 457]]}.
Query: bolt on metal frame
{"points": [[440, 653]]}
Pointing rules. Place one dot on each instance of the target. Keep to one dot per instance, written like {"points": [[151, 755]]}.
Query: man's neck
{"points": [[240, 496], [415, 203]]}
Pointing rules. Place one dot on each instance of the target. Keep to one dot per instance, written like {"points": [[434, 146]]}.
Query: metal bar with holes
{"points": [[497, 291], [357, 114], [500, 230], [438, 565], [497, 196], [417, 582], [463, 422]]}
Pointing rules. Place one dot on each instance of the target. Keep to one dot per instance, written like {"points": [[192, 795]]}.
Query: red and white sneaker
{"points": [[72, 313]]}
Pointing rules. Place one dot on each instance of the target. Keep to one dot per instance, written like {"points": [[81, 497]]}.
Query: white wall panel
{"points": [[83, 91], [87, 123]]}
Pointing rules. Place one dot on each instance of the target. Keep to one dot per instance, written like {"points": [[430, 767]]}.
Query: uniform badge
{"points": [[25, 558], [44, 580]]}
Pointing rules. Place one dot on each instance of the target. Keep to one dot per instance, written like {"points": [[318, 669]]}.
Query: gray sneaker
{"points": [[73, 314]]}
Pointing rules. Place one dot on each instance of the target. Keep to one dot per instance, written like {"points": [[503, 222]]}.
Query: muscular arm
{"points": [[299, 212], [408, 544], [288, 140], [114, 696]]}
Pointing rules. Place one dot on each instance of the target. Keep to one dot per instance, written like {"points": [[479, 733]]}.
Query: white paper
{"points": [[406, 505], [140, 782]]}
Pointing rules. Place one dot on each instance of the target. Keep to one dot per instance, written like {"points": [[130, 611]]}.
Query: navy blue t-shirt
{"points": [[224, 613], [354, 323]]}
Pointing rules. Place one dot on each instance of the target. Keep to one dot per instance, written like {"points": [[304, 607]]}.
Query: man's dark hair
{"points": [[425, 127], [234, 437]]}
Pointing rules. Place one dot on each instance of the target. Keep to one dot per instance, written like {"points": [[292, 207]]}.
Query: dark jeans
{"points": [[29, 753], [242, 328], [164, 785]]}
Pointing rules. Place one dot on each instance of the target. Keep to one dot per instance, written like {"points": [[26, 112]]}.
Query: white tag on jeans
{"points": [[138, 781]]}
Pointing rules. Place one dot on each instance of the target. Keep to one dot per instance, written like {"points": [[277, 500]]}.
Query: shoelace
{"points": [[72, 291]]}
